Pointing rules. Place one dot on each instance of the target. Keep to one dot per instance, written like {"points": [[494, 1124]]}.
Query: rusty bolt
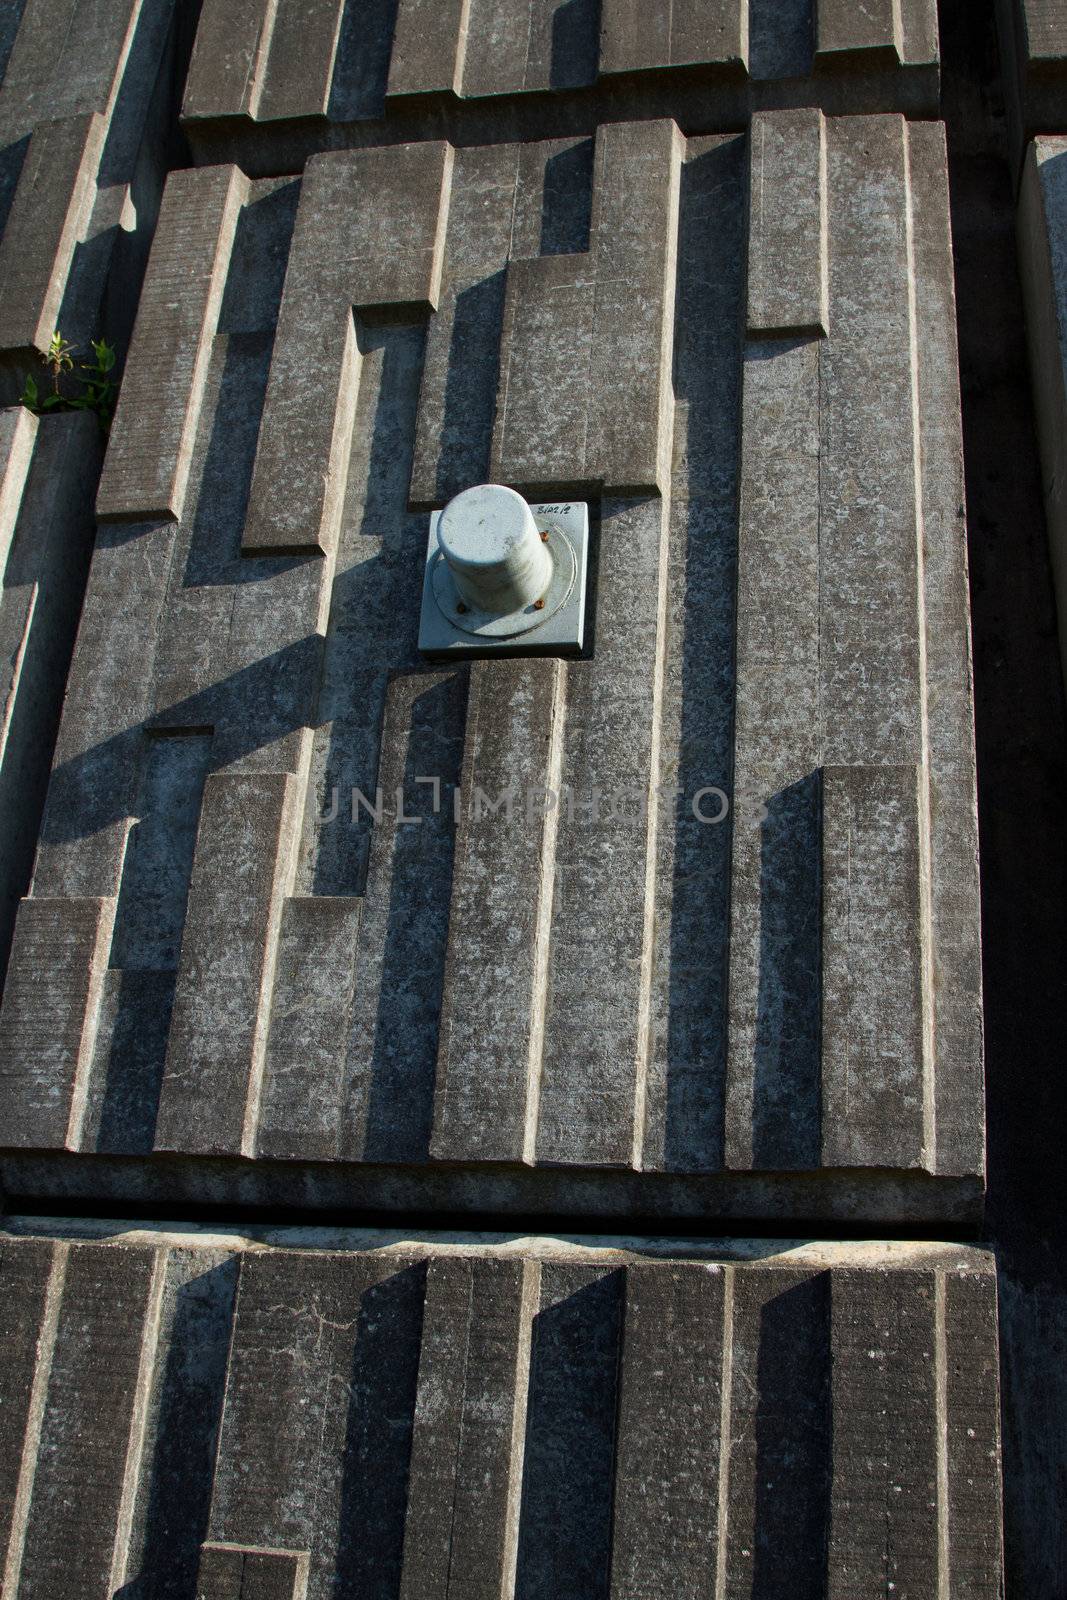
{"points": [[544, 535], [539, 605], [460, 606]]}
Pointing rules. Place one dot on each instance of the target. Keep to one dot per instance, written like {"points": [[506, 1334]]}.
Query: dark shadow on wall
{"points": [[787, 1086], [93, 792], [145, 946], [371, 652], [377, 1454], [12, 159], [179, 1479], [575, 44], [46, 568], [128, 1072], [465, 444], [10, 17], [470, 388], [1021, 737], [781, 38], [214, 556], [565, 1517], [411, 987], [701, 612], [90, 793], [567, 201], [793, 1444], [361, 64], [373, 626]]}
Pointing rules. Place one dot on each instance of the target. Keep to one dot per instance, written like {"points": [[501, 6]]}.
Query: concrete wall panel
{"points": [[780, 614], [481, 1418]]}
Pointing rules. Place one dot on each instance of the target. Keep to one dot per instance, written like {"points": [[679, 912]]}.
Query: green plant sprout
{"points": [[60, 358], [97, 386]]}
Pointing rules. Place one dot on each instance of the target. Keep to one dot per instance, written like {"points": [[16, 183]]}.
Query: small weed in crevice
{"points": [[98, 388]]}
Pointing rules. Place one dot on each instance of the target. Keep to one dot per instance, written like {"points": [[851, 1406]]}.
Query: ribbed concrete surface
{"points": [[314, 1415], [780, 613], [314, 924]]}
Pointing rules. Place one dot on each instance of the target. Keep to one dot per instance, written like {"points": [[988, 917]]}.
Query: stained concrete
{"points": [[795, 990], [87, 102], [290, 1414], [696, 266]]}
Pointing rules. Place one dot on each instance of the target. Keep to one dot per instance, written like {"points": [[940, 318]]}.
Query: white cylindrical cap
{"points": [[490, 540]]}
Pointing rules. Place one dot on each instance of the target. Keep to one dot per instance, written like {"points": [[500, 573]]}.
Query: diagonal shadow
{"points": [[787, 1086]]}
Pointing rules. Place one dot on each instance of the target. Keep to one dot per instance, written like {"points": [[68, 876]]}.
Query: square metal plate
{"points": [[559, 634]]}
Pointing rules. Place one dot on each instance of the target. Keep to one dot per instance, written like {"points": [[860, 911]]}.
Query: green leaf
{"points": [[30, 396]]}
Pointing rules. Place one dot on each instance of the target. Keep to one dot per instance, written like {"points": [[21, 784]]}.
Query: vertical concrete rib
{"points": [[637, 37], [613, 305], [429, 46], [596, 1033], [146, 471], [788, 251], [242, 872], [884, 1494], [303, 51], [237, 1571], [229, 60], [139, 1422], [773, 1032], [842, 27], [392, 1049], [84, 1437], [974, 1533], [310, 1007], [670, 1450], [49, 1018], [48, 218], [954, 893], [876, 988], [875, 991], [385, 213], [462, 1522], [492, 1021], [35, 1370]]}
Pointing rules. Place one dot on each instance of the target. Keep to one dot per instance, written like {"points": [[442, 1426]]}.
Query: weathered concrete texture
{"points": [[256, 779], [788, 255], [86, 104], [581, 327], [852, 713], [231, 1571], [293, 1419], [48, 473], [1033, 49], [385, 214], [1042, 236], [371, 72]]}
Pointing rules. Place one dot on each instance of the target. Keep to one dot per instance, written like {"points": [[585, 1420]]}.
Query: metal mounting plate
{"points": [[557, 630]]}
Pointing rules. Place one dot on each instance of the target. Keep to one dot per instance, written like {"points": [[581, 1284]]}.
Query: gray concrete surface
{"points": [[298, 1414], [255, 500], [699, 266], [87, 100]]}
